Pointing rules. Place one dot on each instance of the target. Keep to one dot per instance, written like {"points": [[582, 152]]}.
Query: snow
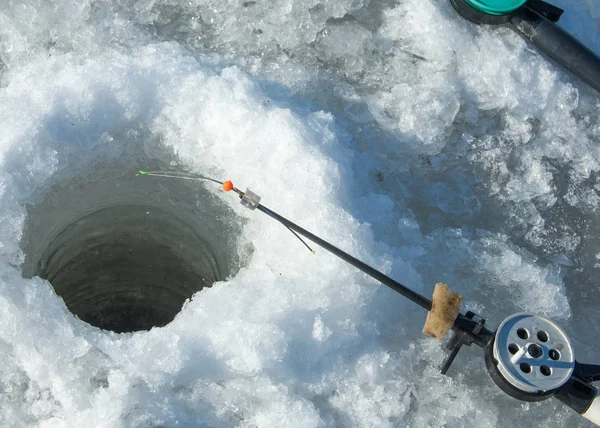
{"points": [[432, 149]]}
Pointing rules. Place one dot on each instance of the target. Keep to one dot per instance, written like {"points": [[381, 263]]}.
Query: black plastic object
{"points": [[587, 372], [558, 45], [547, 10], [577, 394], [463, 337]]}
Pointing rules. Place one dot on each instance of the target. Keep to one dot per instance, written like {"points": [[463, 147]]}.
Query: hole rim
{"points": [[146, 257]]}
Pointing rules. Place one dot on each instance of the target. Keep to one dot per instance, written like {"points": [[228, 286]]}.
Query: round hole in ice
{"points": [[125, 251]]}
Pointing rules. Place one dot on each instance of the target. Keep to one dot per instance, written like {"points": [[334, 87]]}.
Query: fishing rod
{"points": [[528, 356], [536, 21]]}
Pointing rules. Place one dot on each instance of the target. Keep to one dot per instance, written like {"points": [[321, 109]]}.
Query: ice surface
{"points": [[433, 149]]}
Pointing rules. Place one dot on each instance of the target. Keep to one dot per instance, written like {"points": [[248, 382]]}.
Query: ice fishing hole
{"points": [[554, 354], [125, 252], [542, 336], [525, 368], [513, 348], [545, 370], [522, 333]]}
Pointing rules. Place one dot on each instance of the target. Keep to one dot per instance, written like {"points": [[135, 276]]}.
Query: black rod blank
{"points": [[374, 273], [558, 45]]}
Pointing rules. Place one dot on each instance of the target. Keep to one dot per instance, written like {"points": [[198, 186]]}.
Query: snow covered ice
{"points": [[428, 147]]}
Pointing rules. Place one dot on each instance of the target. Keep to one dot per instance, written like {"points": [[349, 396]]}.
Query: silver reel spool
{"points": [[532, 354]]}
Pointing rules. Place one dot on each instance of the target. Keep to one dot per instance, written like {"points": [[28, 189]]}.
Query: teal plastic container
{"points": [[496, 7]]}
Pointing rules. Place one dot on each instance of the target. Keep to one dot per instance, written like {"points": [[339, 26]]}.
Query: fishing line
{"points": [[227, 186], [178, 174]]}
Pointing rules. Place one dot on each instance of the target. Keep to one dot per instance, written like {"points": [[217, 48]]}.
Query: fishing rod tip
{"points": [[142, 173], [227, 186]]}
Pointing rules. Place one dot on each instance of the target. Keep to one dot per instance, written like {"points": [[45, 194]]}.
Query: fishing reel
{"points": [[531, 358], [535, 20]]}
